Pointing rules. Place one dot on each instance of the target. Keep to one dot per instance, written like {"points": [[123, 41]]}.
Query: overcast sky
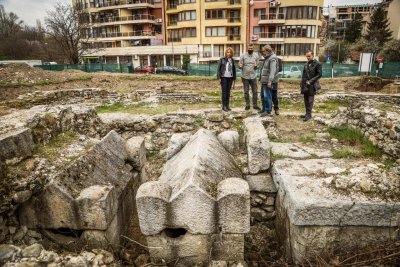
{"points": [[31, 10]]}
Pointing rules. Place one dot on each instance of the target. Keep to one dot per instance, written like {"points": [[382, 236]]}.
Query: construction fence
{"points": [[290, 70]]}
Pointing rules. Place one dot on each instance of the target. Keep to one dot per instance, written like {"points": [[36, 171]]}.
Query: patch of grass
{"points": [[277, 156], [356, 138], [51, 150], [117, 107], [237, 123], [307, 138], [212, 93], [199, 120], [150, 155], [389, 164], [160, 108], [163, 77], [275, 139], [344, 153], [330, 105], [290, 105]]}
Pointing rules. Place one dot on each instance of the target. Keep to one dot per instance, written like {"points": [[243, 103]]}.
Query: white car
{"points": [[290, 72]]}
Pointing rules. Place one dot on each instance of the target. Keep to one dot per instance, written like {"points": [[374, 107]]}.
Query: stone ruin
{"points": [[199, 209], [92, 199], [211, 189]]}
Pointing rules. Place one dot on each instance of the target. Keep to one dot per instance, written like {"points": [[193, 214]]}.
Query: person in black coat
{"points": [[226, 72], [312, 72]]}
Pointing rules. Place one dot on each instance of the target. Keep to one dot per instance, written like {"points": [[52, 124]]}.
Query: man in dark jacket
{"points": [[226, 72], [312, 72]]}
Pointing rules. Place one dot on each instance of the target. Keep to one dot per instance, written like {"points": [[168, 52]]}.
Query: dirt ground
{"points": [[17, 79]]}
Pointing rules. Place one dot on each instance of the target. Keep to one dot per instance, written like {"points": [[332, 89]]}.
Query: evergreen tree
{"points": [[354, 28], [378, 28]]}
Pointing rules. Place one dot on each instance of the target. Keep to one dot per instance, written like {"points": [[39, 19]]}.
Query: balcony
{"points": [[272, 19], [172, 6], [130, 4], [234, 19], [124, 35], [233, 37], [172, 22], [276, 37], [136, 19]]}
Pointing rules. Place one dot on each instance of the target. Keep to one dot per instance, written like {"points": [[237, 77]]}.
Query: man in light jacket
{"points": [[268, 79], [248, 63]]}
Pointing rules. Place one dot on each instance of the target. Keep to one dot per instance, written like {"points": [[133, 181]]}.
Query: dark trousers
{"points": [[308, 103], [253, 84], [226, 84], [275, 97]]}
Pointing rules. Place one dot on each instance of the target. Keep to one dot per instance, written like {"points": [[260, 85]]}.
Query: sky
{"points": [[31, 10]]}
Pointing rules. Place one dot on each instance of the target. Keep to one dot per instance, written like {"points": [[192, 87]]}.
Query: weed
{"points": [[116, 107], [199, 120], [344, 153], [277, 156], [275, 139], [152, 154], [331, 105], [389, 164], [313, 156], [306, 138], [52, 149]]}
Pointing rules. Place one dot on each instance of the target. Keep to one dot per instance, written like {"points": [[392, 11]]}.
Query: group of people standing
{"points": [[249, 62]]}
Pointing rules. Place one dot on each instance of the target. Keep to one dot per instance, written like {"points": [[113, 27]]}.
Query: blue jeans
{"points": [[266, 97]]}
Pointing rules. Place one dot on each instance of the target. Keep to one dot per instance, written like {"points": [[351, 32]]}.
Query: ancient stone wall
{"points": [[382, 128]]}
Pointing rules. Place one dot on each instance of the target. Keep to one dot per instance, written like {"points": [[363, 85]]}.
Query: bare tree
{"points": [[62, 25]]}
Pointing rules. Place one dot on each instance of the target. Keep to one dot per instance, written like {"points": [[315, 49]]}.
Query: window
{"points": [[297, 49], [189, 32], [256, 30], [259, 12], [298, 31], [187, 1], [215, 31], [219, 50], [301, 12], [215, 14], [206, 50], [187, 15], [236, 50]]}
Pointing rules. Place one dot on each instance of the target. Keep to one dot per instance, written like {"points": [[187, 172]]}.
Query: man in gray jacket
{"points": [[248, 63], [268, 79]]}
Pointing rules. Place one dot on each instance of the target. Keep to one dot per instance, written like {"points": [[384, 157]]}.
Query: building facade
{"points": [[341, 16], [291, 27], [393, 11], [161, 32]]}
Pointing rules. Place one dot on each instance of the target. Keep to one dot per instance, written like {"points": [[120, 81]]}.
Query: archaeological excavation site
{"points": [[146, 170]]}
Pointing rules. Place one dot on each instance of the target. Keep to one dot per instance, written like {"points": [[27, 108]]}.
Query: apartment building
{"points": [[127, 31], [341, 16], [393, 11], [161, 32], [291, 27], [213, 25]]}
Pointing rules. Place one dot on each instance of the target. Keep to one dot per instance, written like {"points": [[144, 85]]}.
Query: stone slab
{"points": [[16, 144], [298, 151], [261, 183], [230, 140], [258, 147]]}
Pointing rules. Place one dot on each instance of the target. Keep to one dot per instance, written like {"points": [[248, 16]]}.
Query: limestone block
{"points": [[230, 140], [152, 204], [215, 117], [176, 143], [234, 206], [136, 150], [96, 205], [16, 144], [261, 183], [258, 147], [229, 247], [194, 182], [87, 193], [298, 151], [190, 249], [321, 218]]}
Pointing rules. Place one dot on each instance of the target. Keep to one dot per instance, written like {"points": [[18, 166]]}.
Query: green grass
{"points": [[344, 153], [275, 139], [51, 150], [307, 138], [355, 138], [152, 155], [277, 156], [162, 77], [161, 108], [389, 164], [199, 120], [330, 105]]}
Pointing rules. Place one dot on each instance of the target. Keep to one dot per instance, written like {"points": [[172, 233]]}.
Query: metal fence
{"points": [[290, 70]]}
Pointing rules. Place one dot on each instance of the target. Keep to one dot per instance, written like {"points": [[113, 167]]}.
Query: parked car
{"points": [[147, 69], [170, 70], [290, 72]]}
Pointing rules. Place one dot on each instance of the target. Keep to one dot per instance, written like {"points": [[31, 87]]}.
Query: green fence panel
{"points": [[390, 70]]}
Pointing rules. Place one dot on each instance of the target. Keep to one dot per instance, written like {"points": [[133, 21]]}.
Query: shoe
{"points": [[228, 108], [260, 112], [277, 112], [225, 109], [307, 118], [247, 108], [302, 116], [257, 108], [264, 114]]}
